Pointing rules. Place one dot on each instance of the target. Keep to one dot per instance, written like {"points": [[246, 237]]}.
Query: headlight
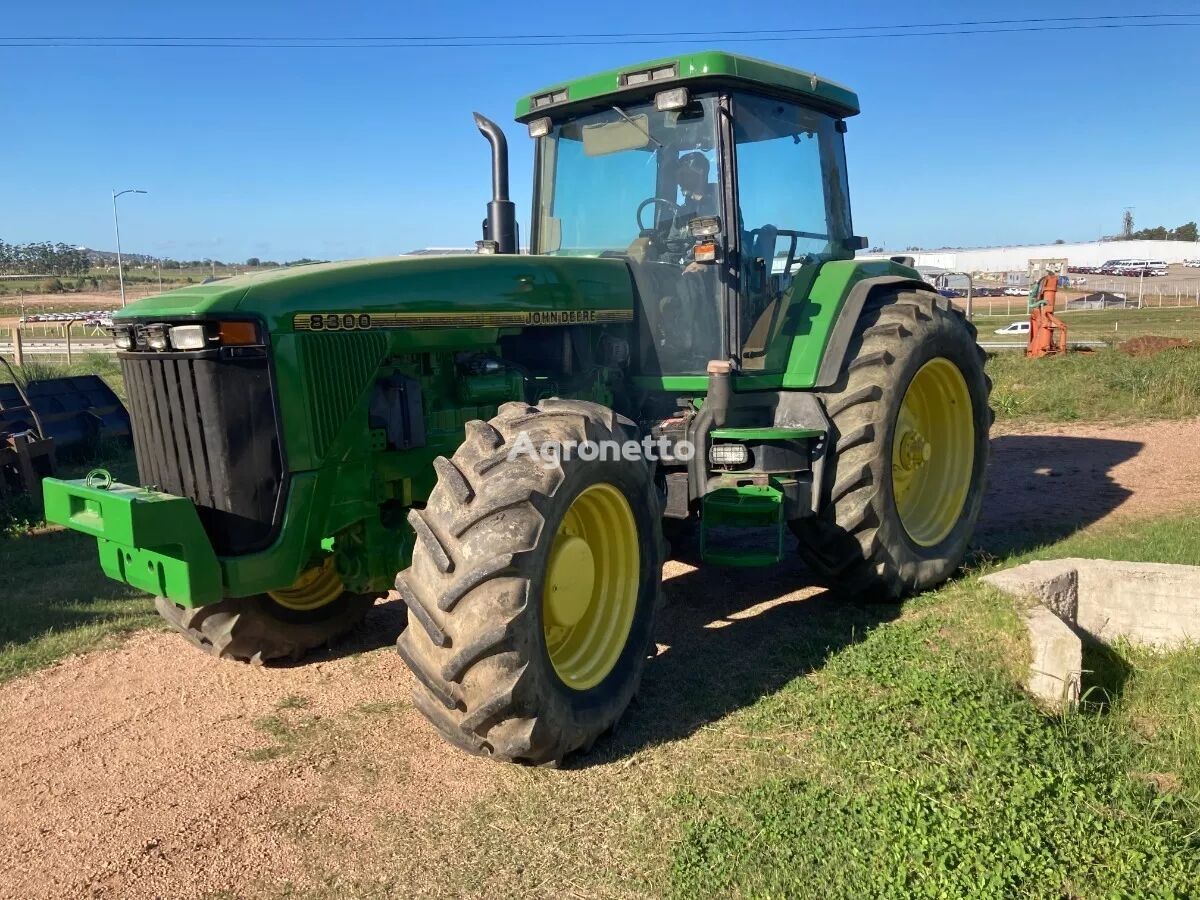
{"points": [[123, 338], [156, 337], [188, 337], [728, 454]]}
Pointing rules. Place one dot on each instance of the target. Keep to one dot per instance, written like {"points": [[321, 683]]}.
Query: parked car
{"points": [[1014, 328], [1191, 263], [1016, 292]]}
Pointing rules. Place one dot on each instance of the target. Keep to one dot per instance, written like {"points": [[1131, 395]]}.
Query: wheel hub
{"points": [[569, 581], [915, 451]]}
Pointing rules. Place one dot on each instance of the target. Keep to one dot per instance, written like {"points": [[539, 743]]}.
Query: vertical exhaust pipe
{"points": [[501, 223]]}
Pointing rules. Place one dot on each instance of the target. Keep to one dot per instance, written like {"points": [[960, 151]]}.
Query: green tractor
{"points": [[502, 436]]}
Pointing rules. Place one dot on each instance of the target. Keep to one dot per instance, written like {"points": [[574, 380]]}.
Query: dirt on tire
{"points": [[154, 770]]}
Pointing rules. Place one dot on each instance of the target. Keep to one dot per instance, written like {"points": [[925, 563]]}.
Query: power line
{"points": [[1023, 26], [620, 34]]}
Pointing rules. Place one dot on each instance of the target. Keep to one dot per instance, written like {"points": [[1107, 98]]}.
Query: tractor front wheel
{"points": [[281, 625], [533, 585]]}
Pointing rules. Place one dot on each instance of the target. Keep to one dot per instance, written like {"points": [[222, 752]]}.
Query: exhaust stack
{"points": [[500, 226]]}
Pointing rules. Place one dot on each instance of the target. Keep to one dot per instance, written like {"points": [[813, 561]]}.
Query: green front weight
{"points": [[151, 540]]}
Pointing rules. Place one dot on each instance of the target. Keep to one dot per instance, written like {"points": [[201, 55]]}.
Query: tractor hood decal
{"points": [[359, 321]]}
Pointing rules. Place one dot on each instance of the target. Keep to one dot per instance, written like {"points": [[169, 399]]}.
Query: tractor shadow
{"points": [[1043, 488], [381, 628], [729, 637], [732, 636]]}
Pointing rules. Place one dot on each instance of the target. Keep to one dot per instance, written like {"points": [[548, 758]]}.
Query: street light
{"points": [[117, 227]]}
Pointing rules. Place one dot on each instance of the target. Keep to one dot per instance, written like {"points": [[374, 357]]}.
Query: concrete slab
{"points": [[1053, 582], [1056, 669], [1145, 603]]}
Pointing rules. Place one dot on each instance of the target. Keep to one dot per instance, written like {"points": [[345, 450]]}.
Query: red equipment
{"points": [[1047, 333]]}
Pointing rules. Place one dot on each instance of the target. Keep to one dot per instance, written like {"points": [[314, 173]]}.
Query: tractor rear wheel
{"points": [[904, 478], [533, 585], [280, 625]]}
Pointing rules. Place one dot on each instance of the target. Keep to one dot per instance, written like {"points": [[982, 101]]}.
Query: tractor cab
{"points": [[721, 181]]}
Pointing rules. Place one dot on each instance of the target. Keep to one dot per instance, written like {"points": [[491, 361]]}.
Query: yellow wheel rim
{"points": [[315, 588], [933, 452], [590, 593]]}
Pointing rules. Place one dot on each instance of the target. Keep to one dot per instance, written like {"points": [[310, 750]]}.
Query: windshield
{"points": [[596, 170], [625, 182]]}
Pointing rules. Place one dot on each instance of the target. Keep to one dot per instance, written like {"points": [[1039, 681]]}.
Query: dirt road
{"points": [[152, 770]]}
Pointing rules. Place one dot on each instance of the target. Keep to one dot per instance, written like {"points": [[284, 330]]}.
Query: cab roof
{"points": [[713, 67]]}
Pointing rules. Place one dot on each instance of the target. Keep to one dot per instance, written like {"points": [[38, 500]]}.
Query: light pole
{"points": [[117, 228]]}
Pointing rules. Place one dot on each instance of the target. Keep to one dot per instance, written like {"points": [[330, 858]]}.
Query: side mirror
{"points": [[855, 243]]}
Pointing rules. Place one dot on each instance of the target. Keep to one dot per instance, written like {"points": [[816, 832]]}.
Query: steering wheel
{"points": [[656, 201]]}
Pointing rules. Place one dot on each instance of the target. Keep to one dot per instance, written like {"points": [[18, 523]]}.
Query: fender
{"points": [[843, 329]]}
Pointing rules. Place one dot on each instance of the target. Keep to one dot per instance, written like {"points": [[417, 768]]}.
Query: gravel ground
{"points": [[152, 770]]}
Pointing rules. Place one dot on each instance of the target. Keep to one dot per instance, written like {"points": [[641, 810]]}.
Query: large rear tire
{"points": [[904, 480], [533, 585]]}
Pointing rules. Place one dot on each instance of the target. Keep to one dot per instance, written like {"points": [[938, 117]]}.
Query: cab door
{"points": [[793, 216]]}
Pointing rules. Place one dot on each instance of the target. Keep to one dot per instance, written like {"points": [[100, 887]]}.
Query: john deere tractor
{"points": [[688, 339]]}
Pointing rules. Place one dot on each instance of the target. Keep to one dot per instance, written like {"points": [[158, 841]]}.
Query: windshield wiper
{"points": [[620, 112]]}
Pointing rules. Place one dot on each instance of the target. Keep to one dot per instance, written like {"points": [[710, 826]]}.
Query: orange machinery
{"points": [[1047, 333]]}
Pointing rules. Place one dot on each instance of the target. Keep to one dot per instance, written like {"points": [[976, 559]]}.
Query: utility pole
{"points": [[117, 228]]}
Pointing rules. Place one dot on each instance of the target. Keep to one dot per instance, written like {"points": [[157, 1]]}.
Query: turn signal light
{"points": [[238, 334], [706, 252]]}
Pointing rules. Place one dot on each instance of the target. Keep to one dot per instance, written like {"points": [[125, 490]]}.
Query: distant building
{"points": [[1018, 259]]}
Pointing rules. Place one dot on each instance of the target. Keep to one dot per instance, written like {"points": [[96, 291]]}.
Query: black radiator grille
{"points": [[204, 427]]}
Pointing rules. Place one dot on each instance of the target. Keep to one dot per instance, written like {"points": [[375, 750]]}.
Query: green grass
{"points": [[1111, 325], [923, 771], [1103, 386], [106, 365], [56, 601]]}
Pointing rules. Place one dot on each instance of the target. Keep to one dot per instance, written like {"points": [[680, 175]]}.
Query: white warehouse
{"points": [[1016, 259]]}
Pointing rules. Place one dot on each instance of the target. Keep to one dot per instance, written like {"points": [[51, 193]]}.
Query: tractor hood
{"points": [[424, 291]]}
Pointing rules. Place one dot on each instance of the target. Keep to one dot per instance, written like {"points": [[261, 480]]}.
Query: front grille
{"points": [[204, 427]]}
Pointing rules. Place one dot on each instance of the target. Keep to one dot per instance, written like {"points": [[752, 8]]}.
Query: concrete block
{"points": [[1055, 672], [1146, 603], [1053, 583]]}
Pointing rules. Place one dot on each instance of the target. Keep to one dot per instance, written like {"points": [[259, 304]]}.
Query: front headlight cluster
{"points": [[162, 336]]}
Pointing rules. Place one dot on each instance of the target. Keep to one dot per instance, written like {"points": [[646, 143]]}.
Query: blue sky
{"points": [[282, 153]]}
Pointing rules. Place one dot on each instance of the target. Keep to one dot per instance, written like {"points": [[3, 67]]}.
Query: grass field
{"points": [[56, 600], [1110, 325], [171, 277], [1103, 386], [893, 756]]}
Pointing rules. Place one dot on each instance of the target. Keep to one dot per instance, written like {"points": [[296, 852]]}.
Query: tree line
{"points": [[42, 258], [1185, 232]]}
